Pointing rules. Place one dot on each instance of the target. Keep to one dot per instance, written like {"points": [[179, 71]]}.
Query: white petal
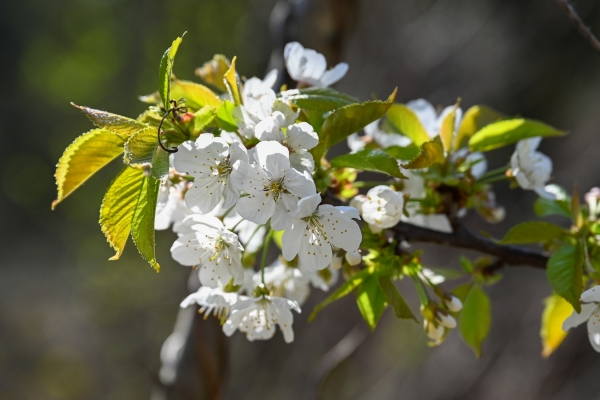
{"points": [[270, 128], [205, 193], [593, 326], [282, 216], [591, 295], [256, 209], [273, 158], [314, 66], [427, 115], [333, 75], [355, 142], [230, 195], [302, 161], [293, 57], [341, 231], [291, 240], [302, 136], [191, 161], [577, 319], [315, 253], [237, 151], [308, 205], [300, 184], [270, 78]]}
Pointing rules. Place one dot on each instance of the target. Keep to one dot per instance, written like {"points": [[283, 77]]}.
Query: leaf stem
{"points": [[494, 172], [493, 179], [264, 254], [421, 290]]}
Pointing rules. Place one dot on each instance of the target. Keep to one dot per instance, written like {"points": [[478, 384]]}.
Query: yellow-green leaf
{"points": [[142, 228], [225, 118], [202, 118], [231, 82], [122, 126], [369, 160], [557, 310], [371, 300], [406, 122], [321, 99], [503, 133], [565, 273], [196, 95], [213, 71], [431, 152], [395, 299], [532, 232], [447, 129], [166, 71], [83, 158], [475, 319], [142, 151], [474, 119], [118, 207]]}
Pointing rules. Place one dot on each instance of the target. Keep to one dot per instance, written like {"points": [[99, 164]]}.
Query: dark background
{"points": [[75, 326]]}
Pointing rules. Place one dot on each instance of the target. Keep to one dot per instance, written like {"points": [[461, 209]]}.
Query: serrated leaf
{"points": [[474, 119], [319, 99], [407, 122], [371, 300], [556, 311], [231, 82], [117, 124], [395, 299], [544, 207], [142, 227], [196, 95], [142, 150], [166, 71], [565, 273], [475, 319], [118, 207], [403, 153], [213, 71], [347, 120], [202, 118], [88, 154], [344, 290], [447, 129], [431, 153], [532, 232], [369, 160], [503, 133], [225, 117]]}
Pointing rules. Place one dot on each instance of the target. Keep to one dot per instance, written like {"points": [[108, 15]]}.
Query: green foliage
{"points": [[406, 122], [347, 120], [196, 95], [166, 71], [565, 273], [142, 227], [403, 153], [203, 118], [475, 318], [532, 232], [88, 154], [431, 153], [231, 81], [474, 119], [395, 299], [369, 160], [225, 117], [122, 126], [503, 133], [371, 300], [320, 99], [142, 151], [447, 129], [544, 207], [556, 311]]}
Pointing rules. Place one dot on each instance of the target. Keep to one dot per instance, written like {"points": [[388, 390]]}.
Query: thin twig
{"points": [[581, 26]]}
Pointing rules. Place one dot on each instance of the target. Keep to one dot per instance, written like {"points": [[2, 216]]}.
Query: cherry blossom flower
{"points": [[272, 185], [170, 205], [316, 229], [298, 139], [285, 281], [205, 241], [430, 119], [382, 208], [373, 133], [251, 235], [415, 187], [308, 67], [531, 168], [210, 161], [257, 318], [212, 301], [590, 312]]}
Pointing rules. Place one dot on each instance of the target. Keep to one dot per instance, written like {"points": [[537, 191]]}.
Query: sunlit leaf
{"points": [[503, 133], [447, 129], [557, 310], [403, 153], [196, 95], [475, 319], [142, 227], [544, 207], [565, 273], [225, 117], [117, 124], [395, 299], [371, 300], [532, 232], [369, 160], [202, 118], [406, 122], [231, 81], [213, 71], [431, 153], [142, 150], [166, 71], [319, 99], [474, 119]]}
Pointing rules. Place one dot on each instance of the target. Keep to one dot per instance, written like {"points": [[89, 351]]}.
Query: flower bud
{"points": [[353, 258], [453, 304], [358, 201], [336, 261], [446, 320], [434, 332]]}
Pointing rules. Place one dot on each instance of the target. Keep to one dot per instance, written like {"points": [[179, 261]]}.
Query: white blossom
{"points": [[285, 281], [430, 119], [435, 332], [382, 208], [257, 318], [453, 303], [590, 312], [212, 301], [209, 160], [373, 133], [415, 187], [446, 320], [309, 67], [272, 185], [316, 229], [204, 241], [298, 138], [432, 277], [170, 205], [251, 235], [531, 168]]}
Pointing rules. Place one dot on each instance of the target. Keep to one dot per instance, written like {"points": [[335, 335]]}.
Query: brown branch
{"points": [[583, 29]]}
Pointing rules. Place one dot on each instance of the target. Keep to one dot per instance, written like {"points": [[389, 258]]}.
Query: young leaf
{"points": [[88, 154], [118, 207], [344, 121], [532, 232], [544, 207], [474, 119], [202, 118], [225, 117], [342, 291], [196, 95], [403, 153], [142, 150], [213, 71], [395, 299], [406, 122], [462, 291], [475, 319], [557, 310], [122, 126], [371, 300], [431, 152], [166, 71], [369, 160], [503, 133], [142, 228], [319, 99], [564, 271], [230, 79], [447, 129]]}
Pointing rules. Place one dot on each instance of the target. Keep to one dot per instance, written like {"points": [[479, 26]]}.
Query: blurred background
{"points": [[75, 326]]}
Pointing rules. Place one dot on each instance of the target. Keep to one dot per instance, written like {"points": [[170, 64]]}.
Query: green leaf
{"points": [[403, 153], [347, 120], [447, 129], [319, 99], [431, 153], [202, 118], [474, 119], [142, 150], [406, 122], [544, 207], [231, 81], [88, 154], [196, 95], [213, 71], [344, 290], [118, 207], [122, 126], [462, 291], [166, 71], [475, 319], [556, 311], [371, 300], [565, 273], [369, 160], [225, 117], [532, 232], [142, 228], [503, 133], [395, 299]]}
